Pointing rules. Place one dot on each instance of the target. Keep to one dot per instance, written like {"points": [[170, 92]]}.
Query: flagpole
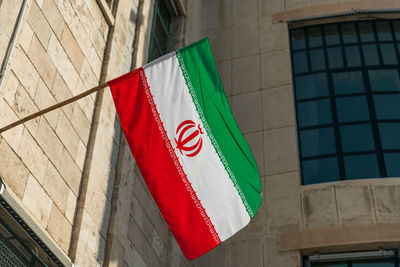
{"points": [[56, 106]]}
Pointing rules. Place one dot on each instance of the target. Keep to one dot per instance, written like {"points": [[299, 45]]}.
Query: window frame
{"points": [[165, 26], [106, 7]]}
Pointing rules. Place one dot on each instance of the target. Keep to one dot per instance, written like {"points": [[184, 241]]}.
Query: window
{"points": [[160, 30], [347, 89], [382, 258], [110, 3], [13, 251], [22, 241]]}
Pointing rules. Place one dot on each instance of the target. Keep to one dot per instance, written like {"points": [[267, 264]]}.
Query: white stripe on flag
{"points": [[205, 171]]}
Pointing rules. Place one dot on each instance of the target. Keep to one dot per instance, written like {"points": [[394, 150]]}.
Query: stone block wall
{"points": [[253, 58], [59, 53]]}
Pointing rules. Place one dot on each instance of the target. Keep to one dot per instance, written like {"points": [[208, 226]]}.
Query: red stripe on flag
{"points": [[160, 167]]}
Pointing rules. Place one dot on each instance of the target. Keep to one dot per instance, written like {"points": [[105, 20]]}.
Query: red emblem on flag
{"points": [[189, 140]]}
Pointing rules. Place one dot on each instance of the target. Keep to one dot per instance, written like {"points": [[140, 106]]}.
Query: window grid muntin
{"points": [[368, 93], [335, 118], [370, 101]]}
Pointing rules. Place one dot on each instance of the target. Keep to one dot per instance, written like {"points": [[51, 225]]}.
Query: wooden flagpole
{"points": [[56, 106]]}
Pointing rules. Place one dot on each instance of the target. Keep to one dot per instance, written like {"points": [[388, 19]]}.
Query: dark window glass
{"points": [[300, 62], [309, 86], [366, 32], [317, 59], [335, 57], [160, 30], [312, 113], [398, 47], [361, 166], [320, 170], [392, 164], [396, 26], [347, 93], [314, 36], [348, 82], [353, 57], [164, 13], [349, 33], [332, 34], [384, 31], [387, 106], [298, 40], [357, 138], [161, 34], [388, 54], [384, 80], [390, 135], [321, 142], [352, 109], [155, 52], [370, 55]]}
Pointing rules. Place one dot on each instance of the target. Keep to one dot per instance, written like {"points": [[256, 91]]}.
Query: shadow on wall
{"points": [[108, 223]]}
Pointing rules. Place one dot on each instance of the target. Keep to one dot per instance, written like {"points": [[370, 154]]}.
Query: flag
{"points": [[186, 143]]}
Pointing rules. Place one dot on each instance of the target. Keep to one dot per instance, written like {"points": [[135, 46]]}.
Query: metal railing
{"points": [[13, 251]]}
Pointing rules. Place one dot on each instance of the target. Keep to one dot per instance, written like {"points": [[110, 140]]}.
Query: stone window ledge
{"points": [[339, 239]]}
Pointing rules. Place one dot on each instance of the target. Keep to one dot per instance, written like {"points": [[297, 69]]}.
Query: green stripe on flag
{"points": [[201, 75]]}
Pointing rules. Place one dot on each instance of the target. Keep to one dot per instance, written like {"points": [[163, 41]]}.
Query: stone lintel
{"points": [[338, 239]]}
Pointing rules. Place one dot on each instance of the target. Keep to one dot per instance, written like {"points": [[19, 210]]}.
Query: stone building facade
{"points": [[252, 48], [70, 170], [71, 175]]}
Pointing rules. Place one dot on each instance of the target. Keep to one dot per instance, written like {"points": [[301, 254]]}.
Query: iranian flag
{"points": [[192, 155]]}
